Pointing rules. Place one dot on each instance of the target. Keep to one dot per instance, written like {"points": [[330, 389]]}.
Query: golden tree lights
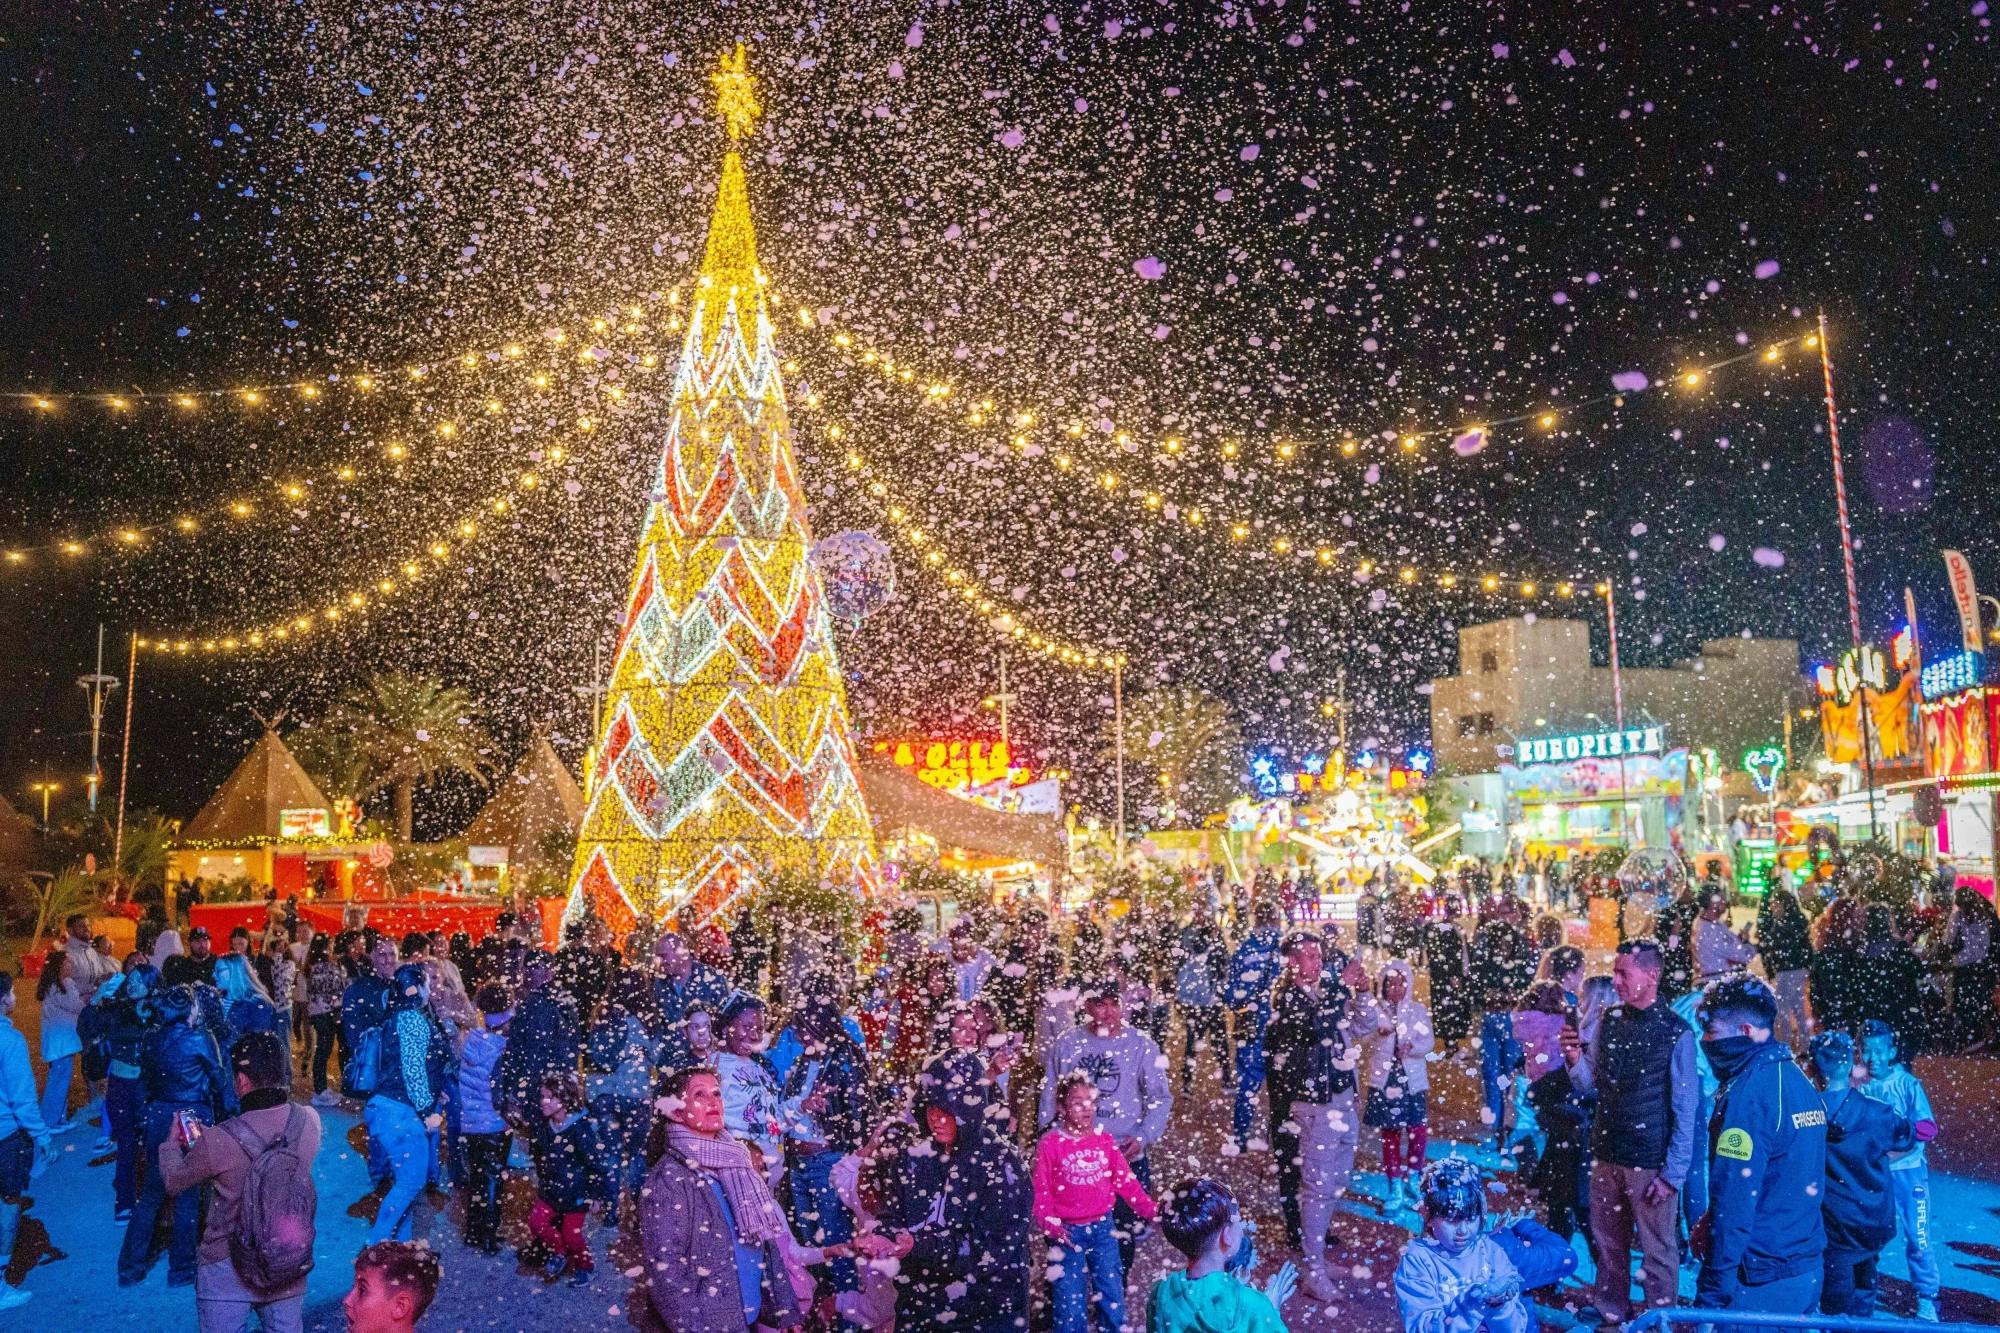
{"points": [[725, 753]]}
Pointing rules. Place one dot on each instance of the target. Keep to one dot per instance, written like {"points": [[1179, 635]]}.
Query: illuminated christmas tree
{"points": [[725, 754]]}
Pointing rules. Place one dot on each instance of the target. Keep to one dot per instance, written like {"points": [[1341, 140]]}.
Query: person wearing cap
{"points": [[1135, 1096], [1718, 950], [1859, 1203], [1314, 1121], [1767, 1161], [197, 964], [480, 1124]]}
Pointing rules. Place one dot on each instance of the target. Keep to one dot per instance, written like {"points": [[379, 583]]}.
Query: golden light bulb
{"points": [[411, 569], [1690, 379], [1770, 354], [447, 429], [1490, 582], [252, 397], [1527, 590], [1547, 421], [1239, 530], [493, 407], [396, 449], [117, 404], [129, 536], [364, 382], [184, 402], [511, 351], [1230, 449], [310, 391], [1407, 574], [295, 492], [344, 474], [1348, 448], [386, 586], [468, 528], [1288, 451], [1324, 555], [185, 524], [240, 508], [1409, 443]]}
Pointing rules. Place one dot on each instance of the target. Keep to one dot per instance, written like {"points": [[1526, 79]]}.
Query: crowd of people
{"points": [[904, 1128]]}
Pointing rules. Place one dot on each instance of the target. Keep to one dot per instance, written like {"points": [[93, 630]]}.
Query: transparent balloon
{"points": [[1650, 878], [859, 573]]}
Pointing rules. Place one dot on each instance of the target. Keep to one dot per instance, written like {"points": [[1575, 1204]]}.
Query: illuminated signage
{"points": [[957, 765], [1845, 680], [1764, 764], [1949, 675], [310, 823], [1592, 745]]}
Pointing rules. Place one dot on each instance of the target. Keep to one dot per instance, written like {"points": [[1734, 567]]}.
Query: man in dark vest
{"points": [[1641, 1062]]}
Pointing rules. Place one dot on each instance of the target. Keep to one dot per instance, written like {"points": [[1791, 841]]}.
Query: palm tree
{"points": [[330, 750], [1188, 743], [142, 859], [411, 730]]}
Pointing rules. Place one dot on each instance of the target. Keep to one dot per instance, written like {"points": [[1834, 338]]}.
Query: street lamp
{"points": [[45, 790]]}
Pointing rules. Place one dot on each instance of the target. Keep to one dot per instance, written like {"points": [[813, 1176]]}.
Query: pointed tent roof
{"points": [[245, 808], [903, 802], [537, 799]]}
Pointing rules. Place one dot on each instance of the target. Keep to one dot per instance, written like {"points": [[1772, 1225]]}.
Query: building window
{"points": [[1486, 724], [1466, 725], [1489, 661]]}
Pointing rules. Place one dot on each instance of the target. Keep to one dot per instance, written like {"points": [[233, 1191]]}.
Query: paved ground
{"points": [[67, 1250]]}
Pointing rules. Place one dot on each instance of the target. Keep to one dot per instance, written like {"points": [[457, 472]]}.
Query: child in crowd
{"points": [[394, 1283], [1892, 1083], [1863, 1140], [1201, 1219], [564, 1179], [1453, 1278], [867, 1182], [1398, 1077], [481, 1127], [1079, 1176]]}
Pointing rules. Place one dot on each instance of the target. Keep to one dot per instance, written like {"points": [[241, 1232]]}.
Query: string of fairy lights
{"points": [[628, 319], [420, 564], [1249, 531], [446, 416]]}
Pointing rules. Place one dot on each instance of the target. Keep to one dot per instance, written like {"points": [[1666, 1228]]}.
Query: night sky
{"points": [[1215, 223]]}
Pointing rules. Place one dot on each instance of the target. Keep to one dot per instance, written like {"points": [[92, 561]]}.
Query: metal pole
{"points": [[1004, 739], [95, 685], [1847, 565], [1340, 775], [1618, 706], [1118, 748], [125, 757]]}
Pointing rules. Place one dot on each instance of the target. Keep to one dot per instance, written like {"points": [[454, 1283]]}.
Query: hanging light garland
{"points": [[290, 494], [929, 391], [628, 319], [354, 605]]}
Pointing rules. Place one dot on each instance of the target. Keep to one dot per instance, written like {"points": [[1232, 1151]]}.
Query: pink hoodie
{"points": [[1079, 1178]]}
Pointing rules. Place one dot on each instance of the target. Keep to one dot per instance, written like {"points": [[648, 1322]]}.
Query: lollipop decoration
{"points": [[859, 573]]}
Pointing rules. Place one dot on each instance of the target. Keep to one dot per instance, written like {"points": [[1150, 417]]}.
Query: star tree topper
{"points": [[736, 93]]}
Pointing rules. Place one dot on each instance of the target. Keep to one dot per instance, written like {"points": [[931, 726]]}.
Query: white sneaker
{"points": [[11, 1296], [328, 1097], [1926, 1311]]}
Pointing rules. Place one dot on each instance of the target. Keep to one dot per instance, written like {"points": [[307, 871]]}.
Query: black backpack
{"points": [[272, 1246]]}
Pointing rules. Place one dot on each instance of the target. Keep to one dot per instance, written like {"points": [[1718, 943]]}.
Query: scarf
{"points": [[757, 1215]]}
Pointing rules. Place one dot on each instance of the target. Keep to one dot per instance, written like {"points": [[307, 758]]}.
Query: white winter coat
{"points": [[1406, 1027]]}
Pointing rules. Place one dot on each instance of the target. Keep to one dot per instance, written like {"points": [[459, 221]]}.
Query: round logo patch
{"points": [[1734, 1144]]}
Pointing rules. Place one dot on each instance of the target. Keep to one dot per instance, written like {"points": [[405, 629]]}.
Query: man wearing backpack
{"points": [[258, 1244], [1202, 965]]}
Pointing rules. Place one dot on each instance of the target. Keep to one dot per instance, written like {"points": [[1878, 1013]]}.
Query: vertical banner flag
{"points": [[1958, 573]]}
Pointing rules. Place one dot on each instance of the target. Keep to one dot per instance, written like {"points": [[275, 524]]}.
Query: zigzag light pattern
{"points": [[726, 753]]}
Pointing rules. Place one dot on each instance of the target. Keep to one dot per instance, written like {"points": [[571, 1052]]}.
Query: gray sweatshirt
{"points": [[1134, 1098]]}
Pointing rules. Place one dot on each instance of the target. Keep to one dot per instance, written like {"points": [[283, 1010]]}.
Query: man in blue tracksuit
{"points": [[1252, 972], [1767, 1161]]}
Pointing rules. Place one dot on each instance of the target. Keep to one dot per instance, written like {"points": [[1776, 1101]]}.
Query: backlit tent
{"points": [[534, 814]]}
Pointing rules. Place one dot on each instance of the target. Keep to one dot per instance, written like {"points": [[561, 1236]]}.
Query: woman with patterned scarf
{"points": [[707, 1216]]}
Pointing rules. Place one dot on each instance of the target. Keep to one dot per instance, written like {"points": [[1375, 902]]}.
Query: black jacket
{"points": [[969, 1255], [565, 1174], [1859, 1206], [1307, 1046], [1767, 1172], [543, 1037], [179, 1066], [843, 1077], [1784, 942]]}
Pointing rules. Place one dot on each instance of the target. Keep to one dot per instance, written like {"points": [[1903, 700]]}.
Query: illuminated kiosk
{"points": [[1596, 789], [270, 824], [725, 752]]}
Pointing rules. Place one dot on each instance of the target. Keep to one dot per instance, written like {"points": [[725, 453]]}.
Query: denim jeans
{"points": [[124, 1120], [1913, 1219], [819, 1218], [1694, 1190], [1249, 1078], [1090, 1278], [135, 1254], [399, 1154], [486, 1159], [55, 1091], [323, 1028]]}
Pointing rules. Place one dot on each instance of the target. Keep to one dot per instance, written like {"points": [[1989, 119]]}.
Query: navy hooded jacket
{"points": [[1767, 1171], [1860, 1207]]}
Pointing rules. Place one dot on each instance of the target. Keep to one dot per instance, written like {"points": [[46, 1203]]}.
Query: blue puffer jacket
{"points": [[476, 1061], [415, 1061], [181, 1067]]}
